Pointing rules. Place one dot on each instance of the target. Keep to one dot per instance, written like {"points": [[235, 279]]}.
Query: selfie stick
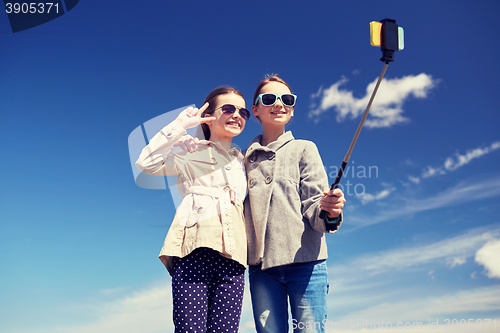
{"points": [[390, 38]]}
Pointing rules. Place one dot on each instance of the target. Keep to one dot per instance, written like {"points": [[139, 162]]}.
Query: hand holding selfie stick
{"points": [[390, 38]]}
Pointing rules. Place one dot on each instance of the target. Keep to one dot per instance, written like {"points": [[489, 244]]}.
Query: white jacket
{"points": [[212, 183]]}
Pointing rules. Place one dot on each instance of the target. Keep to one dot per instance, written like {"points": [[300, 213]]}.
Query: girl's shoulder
{"points": [[306, 144], [299, 142]]}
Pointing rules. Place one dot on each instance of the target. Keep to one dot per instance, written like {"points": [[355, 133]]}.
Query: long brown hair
{"points": [[211, 108]]}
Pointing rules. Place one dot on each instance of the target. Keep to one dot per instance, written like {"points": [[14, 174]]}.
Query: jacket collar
{"points": [[234, 151], [273, 146]]}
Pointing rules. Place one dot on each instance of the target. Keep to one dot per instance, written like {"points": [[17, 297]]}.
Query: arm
{"points": [[154, 158], [313, 179]]}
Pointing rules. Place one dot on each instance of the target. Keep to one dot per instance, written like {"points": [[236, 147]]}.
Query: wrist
{"points": [[332, 220]]}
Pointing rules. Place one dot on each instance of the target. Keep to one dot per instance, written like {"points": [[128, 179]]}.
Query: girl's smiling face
{"points": [[227, 126], [277, 114]]}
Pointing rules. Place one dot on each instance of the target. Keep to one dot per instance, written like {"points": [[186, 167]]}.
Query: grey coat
{"points": [[285, 185]]}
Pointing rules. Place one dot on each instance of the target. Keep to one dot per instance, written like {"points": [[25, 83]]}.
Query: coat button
{"points": [[226, 188], [228, 167], [251, 182], [168, 134], [199, 210], [269, 179], [213, 160], [271, 156], [253, 158]]}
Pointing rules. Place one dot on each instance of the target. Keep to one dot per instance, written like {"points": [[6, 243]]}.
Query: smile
{"points": [[234, 124]]}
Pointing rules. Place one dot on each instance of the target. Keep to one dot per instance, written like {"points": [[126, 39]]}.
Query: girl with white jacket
{"points": [[205, 249]]}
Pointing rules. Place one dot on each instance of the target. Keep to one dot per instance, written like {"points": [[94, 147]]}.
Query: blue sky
{"points": [[421, 239]]}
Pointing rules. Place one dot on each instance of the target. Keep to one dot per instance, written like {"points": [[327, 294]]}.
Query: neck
{"points": [[271, 133]]}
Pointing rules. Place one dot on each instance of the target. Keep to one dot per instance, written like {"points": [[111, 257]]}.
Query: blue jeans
{"points": [[305, 285]]}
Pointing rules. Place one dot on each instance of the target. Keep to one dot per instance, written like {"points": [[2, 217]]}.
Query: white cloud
{"points": [[454, 162], [458, 261], [430, 172], [462, 192], [145, 311], [366, 197], [424, 310], [414, 180], [387, 107], [376, 287], [150, 310], [489, 257], [461, 160], [451, 252]]}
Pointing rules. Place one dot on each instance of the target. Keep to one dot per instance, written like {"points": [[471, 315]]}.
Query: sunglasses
{"points": [[229, 109], [270, 99]]}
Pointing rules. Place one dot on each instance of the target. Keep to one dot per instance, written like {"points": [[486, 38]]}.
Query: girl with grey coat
{"points": [[287, 189]]}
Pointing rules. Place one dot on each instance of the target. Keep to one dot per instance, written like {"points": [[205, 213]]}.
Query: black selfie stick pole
{"points": [[389, 43], [348, 155]]}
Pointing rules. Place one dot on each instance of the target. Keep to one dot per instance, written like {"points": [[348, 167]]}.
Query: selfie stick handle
{"points": [[335, 184]]}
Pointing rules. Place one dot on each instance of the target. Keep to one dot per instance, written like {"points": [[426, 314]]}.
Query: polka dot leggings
{"points": [[207, 290]]}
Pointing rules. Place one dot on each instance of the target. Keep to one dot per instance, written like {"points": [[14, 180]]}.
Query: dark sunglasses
{"points": [[270, 99], [229, 109]]}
